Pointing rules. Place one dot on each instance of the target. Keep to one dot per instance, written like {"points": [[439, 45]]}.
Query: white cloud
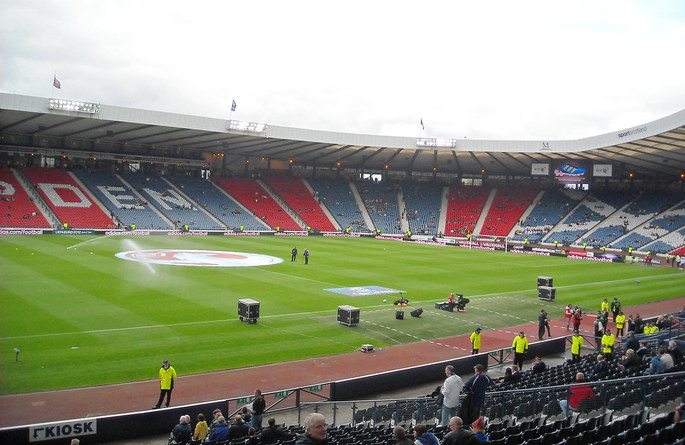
{"points": [[487, 70]]}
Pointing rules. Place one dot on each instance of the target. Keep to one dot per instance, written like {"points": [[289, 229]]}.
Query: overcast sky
{"points": [[478, 69]]}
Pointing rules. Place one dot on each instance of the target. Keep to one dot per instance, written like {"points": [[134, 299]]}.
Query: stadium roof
{"points": [[653, 150]]}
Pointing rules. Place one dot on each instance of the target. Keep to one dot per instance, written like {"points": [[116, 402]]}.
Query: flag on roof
{"points": [[56, 83], [233, 105], [422, 127]]}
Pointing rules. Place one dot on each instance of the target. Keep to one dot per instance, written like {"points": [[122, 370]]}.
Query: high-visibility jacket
{"points": [[608, 341], [620, 321], [520, 344], [167, 377], [577, 342], [475, 340], [605, 306]]}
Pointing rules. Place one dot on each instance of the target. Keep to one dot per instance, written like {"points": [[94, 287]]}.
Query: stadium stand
{"points": [[380, 200], [634, 214], [172, 202], [506, 210], [253, 196], [294, 192], [464, 207], [17, 208], [422, 206], [546, 213], [125, 206], [67, 199], [337, 196], [214, 200]]}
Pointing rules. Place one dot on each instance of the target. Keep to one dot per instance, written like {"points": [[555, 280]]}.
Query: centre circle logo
{"points": [[198, 258]]}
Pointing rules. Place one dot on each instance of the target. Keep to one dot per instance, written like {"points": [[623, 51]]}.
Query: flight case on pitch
{"points": [[248, 309], [348, 315], [546, 293], [545, 281]]}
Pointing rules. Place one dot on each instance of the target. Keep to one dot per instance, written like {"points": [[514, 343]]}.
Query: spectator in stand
{"points": [[238, 428], [273, 433], [516, 373], [314, 430], [577, 342], [478, 428], [252, 438], [576, 394], [600, 370], [675, 352], [630, 362], [220, 432], [666, 358], [478, 384], [656, 366], [423, 437], [201, 429], [215, 415], [538, 366], [246, 414], [258, 407], [450, 391], [458, 435], [400, 436], [631, 342], [508, 377], [182, 432], [642, 351]]}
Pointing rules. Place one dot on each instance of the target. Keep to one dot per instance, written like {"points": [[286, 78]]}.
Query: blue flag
{"points": [[57, 84], [233, 105]]}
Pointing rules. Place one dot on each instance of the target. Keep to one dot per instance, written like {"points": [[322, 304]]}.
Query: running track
{"points": [[21, 409]]}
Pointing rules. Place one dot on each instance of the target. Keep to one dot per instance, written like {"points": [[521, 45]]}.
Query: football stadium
{"points": [[320, 268]]}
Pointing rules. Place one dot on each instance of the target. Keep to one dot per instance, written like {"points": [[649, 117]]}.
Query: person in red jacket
{"points": [[576, 394]]}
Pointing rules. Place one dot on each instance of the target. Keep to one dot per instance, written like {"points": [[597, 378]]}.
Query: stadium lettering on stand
{"points": [[62, 429]]}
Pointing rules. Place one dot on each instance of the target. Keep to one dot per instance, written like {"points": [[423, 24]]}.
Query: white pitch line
{"points": [[86, 242]]}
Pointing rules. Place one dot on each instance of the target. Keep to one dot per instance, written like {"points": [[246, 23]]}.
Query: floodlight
{"points": [[436, 142], [74, 105], [252, 127]]}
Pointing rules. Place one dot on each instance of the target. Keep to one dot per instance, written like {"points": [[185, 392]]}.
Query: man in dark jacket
{"points": [[181, 432], [478, 384], [272, 433], [458, 435], [239, 428]]}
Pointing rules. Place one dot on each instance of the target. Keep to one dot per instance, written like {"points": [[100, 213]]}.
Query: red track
{"points": [[76, 403]]}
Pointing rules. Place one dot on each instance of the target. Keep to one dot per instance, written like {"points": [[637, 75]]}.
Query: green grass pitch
{"points": [[82, 318]]}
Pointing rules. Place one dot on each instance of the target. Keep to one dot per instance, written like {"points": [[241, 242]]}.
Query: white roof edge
{"points": [[174, 120]]}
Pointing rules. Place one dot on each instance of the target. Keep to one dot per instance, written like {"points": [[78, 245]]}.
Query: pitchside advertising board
{"points": [[65, 430]]}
